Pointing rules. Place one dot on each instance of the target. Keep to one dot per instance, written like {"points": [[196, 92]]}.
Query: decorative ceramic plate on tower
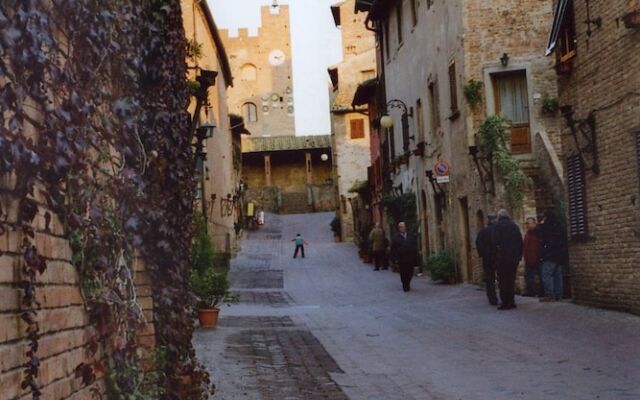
{"points": [[276, 57]]}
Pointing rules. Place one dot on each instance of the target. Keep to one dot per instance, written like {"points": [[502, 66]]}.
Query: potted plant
{"points": [[212, 289], [365, 246], [442, 267], [550, 105]]}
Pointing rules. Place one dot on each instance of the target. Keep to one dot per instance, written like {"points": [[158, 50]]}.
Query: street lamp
{"points": [[386, 121]]}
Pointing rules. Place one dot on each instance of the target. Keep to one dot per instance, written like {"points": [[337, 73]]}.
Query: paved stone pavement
{"points": [[328, 327]]}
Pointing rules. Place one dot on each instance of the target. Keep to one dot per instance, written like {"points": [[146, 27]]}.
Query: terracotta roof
{"points": [[284, 143]]}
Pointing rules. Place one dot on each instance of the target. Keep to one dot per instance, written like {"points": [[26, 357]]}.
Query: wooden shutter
{"points": [[577, 198], [357, 128]]}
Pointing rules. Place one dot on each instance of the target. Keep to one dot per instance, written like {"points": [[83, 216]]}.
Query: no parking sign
{"points": [[442, 169]]}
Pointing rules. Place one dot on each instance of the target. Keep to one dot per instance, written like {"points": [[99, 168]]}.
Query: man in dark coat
{"points": [[507, 241], [484, 245], [404, 251], [553, 254]]}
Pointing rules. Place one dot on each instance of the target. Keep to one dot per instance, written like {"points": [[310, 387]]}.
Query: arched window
{"points": [[248, 72], [250, 112]]}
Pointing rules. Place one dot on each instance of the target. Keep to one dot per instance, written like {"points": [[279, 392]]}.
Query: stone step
{"points": [[295, 203]]}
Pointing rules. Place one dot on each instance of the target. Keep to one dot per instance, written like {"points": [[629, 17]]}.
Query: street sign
{"points": [[442, 179], [441, 168]]}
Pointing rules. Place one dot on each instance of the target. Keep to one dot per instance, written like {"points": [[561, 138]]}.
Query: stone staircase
{"points": [[295, 203]]}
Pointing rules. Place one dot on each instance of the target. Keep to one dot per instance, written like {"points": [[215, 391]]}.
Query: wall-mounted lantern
{"points": [[504, 60]]}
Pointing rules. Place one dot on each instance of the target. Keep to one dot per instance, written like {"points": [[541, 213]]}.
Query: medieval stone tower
{"points": [[263, 88]]}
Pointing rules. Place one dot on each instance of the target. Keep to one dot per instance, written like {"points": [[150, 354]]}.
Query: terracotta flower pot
{"points": [[208, 317]]}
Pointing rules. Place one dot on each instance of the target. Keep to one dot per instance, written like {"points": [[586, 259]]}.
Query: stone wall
{"points": [[220, 176], [605, 78], [64, 324], [287, 170], [352, 156], [472, 35]]}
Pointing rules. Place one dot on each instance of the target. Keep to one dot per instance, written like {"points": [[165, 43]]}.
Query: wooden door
{"points": [[512, 101]]}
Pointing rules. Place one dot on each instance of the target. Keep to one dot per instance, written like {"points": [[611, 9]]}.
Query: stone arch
{"points": [[248, 72]]}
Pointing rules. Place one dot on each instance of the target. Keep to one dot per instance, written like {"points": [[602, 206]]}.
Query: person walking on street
{"points": [[378, 246], [532, 259], [507, 242], [553, 256], [484, 245], [404, 251], [300, 242]]}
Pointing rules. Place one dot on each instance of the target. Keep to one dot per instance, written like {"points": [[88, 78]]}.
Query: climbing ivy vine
{"points": [[94, 130], [493, 135]]}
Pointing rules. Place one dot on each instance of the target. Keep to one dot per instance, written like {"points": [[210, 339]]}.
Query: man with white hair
{"points": [[507, 242]]}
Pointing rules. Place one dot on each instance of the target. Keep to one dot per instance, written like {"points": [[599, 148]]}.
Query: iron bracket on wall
{"points": [[584, 134]]}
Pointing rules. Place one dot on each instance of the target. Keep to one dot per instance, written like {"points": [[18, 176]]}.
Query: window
{"points": [[387, 38], [512, 100], [368, 74], [250, 112], [419, 121], [435, 107], [249, 72], [577, 198], [414, 13], [563, 36], [567, 38], [429, 4], [453, 87], [357, 128], [399, 21], [392, 144]]}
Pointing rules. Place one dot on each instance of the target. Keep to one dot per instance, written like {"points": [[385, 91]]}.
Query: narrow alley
{"points": [[329, 327]]}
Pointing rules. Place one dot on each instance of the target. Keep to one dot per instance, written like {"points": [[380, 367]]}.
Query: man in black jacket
{"points": [[507, 241], [404, 251], [484, 245], [553, 254]]}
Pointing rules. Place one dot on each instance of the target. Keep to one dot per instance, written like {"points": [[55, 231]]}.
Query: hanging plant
{"points": [[493, 143], [473, 92], [550, 105]]}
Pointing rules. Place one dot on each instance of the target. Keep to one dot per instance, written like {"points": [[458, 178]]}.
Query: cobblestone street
{"points": [[329, 327]]}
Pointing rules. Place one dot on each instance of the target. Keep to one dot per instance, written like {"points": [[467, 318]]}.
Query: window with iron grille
{"points": [[453, 87], [578, 227]]}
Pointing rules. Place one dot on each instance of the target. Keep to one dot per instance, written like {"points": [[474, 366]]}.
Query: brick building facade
{"points": [[65, 328], [599, 79], [428, 52]]}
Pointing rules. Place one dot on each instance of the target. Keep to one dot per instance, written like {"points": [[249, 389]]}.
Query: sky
{"points": [[312, 27]]}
